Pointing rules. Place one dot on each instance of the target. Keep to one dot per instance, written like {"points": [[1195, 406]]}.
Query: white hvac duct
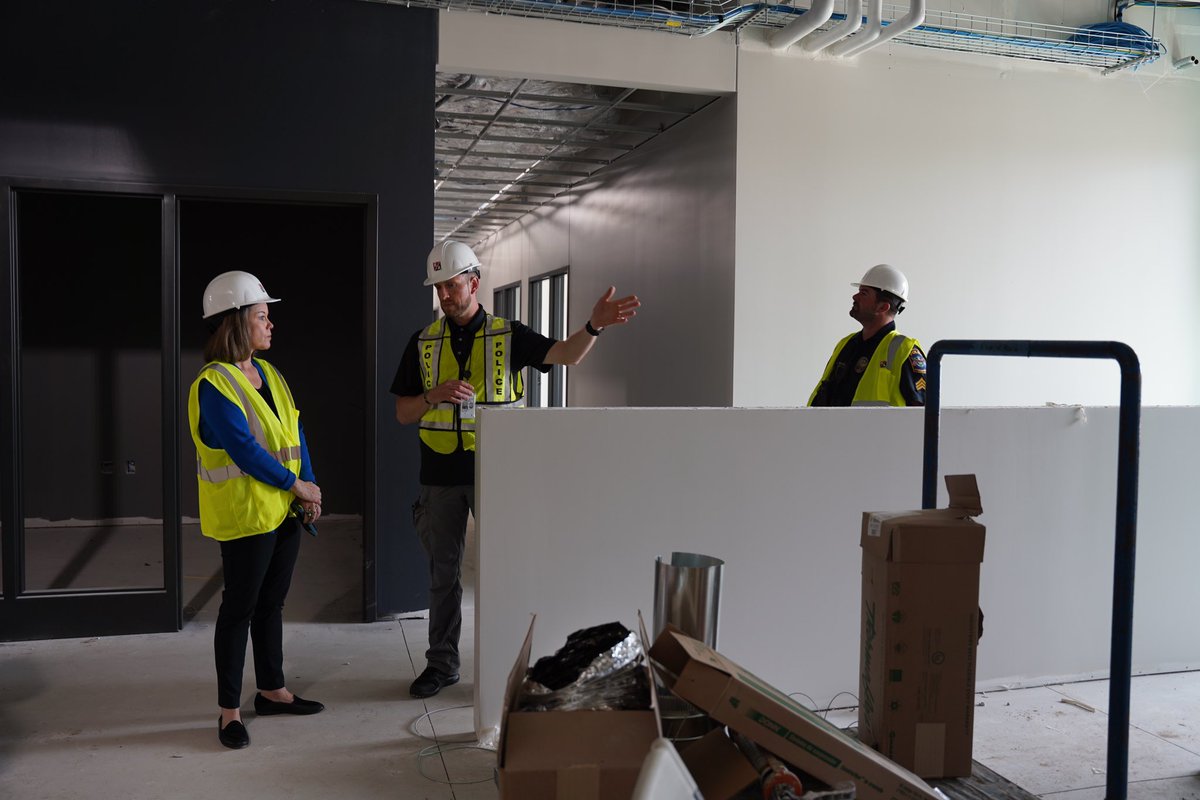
{"points": [[866, 35], [914, 17], [805, 24], [849, 25]]}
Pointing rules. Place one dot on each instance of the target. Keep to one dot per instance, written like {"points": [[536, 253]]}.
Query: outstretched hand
{"points": [[608, 311]]}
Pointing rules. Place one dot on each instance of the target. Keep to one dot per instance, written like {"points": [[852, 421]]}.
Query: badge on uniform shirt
{"points": [[861, 364], [920, 384], [916, 362]]}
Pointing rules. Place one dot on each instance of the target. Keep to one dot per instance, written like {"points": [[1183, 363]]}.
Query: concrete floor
{"points": [[135, 716]]}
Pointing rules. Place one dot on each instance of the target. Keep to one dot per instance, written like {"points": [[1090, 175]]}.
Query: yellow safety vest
{"points": [[490, 374], [880, 383], [232, 503]]}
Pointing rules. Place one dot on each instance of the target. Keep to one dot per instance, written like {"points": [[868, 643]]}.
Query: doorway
{"points": [[89, 537], [103, 286], [311, 257]]}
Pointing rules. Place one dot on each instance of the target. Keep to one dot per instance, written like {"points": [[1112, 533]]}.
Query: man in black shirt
{"points": [[464, 359], [876, 366]]}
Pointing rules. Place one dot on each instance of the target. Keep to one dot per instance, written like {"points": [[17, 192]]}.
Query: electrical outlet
{"points": [[106, 468], [131, 467]]}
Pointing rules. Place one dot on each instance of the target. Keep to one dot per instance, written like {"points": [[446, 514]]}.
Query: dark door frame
{"points": [[45, 615]]}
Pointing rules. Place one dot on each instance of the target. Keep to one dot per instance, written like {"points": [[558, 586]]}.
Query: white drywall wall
{"points": [[572, 535], [1024, 201], [495, 44], [658, 224], [1009, 193]]}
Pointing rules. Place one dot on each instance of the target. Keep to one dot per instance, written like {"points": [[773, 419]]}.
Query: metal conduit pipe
{"points": [[852, 22], [808, 22], [866, 35], [914, 17], [715, 22], [1125, 550]]}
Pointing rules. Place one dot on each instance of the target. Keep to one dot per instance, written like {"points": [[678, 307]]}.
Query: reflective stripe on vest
{"points": [[234, 471], [490, 368]]}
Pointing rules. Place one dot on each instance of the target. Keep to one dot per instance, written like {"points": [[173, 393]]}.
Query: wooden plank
{"points": [[984, 784]]}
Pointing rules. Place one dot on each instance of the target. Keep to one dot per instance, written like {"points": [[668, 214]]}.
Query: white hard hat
{"points": [[886, 277], [234, 290], [447, 259]]}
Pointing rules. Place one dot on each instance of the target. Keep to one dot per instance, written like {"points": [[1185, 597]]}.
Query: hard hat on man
{"points": [[447, 259], [887, 278]]}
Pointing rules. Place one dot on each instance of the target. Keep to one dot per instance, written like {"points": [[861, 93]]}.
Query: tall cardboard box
{"points": [[920, 627]]}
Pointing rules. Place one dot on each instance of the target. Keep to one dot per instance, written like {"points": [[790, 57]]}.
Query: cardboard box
{"points": [[720, 770], [920, 625], [771, 719], [572, 755]]}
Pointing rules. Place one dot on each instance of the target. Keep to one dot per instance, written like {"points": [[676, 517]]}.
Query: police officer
{"points": [[467, 359], [876, 366]]}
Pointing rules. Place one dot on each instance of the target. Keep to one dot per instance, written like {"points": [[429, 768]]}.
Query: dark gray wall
{"points": [[284, 96], [659, 223]]}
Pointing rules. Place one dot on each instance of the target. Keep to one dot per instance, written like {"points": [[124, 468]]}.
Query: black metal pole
{"points": [[1129, 434]]}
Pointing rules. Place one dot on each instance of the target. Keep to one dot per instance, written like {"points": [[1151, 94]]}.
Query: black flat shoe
{"points": [[431, 681], [265, 708], [234, 735]]}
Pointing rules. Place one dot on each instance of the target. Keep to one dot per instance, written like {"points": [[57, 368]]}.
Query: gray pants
{"points": [[440, 517]]}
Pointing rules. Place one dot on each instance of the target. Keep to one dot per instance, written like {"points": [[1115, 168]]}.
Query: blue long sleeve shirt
{"points": [[223, 426]]}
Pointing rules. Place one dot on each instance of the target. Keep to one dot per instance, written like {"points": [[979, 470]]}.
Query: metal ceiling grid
{"points": [[945, 30], [505, 146]]}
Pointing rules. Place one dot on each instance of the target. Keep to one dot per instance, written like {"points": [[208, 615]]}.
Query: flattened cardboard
{"points": [[776, 722], [571, 755], [920, 621], [719, 769]]}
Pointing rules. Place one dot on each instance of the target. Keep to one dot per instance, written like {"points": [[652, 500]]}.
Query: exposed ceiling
{"points": [[505, 146]]}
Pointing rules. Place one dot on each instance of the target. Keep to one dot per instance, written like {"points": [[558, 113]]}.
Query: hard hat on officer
{"points": [[887, 278], [447, 259]]}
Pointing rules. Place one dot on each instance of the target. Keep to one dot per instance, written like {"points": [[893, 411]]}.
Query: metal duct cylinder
{"points": [[687, 594]]}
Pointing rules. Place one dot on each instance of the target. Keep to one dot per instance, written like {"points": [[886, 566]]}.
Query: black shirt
{"points": [[852, 362], [529, 349]]}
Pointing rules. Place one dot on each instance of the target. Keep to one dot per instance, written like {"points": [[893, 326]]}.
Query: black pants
{"points": [[440, 517], [258, 573]]}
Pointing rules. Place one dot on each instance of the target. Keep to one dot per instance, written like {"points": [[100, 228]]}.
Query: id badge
{"points": [[466, 409]]}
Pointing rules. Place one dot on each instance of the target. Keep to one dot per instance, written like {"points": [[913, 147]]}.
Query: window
{"points": [[506, 302], [548, 316]]}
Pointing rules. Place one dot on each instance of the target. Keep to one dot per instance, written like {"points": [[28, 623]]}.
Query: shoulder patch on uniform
{"points": [[916, 361], [920, 384]]}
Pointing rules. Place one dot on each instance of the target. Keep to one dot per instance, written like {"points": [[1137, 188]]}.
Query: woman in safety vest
{"points": [[254, 475]]}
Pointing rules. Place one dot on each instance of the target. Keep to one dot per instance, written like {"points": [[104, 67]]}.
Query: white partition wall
{"points": [[575, 505], [996, 186]]}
